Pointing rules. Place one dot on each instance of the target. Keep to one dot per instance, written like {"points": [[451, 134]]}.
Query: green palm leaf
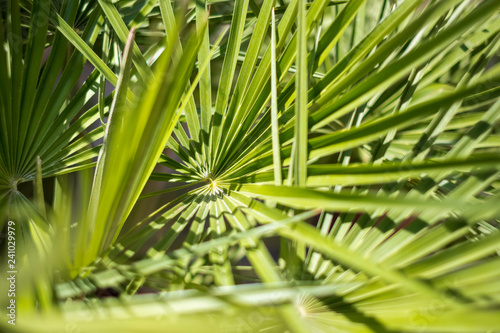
{"points": [[329, 166]]}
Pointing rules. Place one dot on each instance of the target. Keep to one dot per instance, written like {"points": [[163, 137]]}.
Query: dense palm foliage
{"points": [[330, 166]]}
